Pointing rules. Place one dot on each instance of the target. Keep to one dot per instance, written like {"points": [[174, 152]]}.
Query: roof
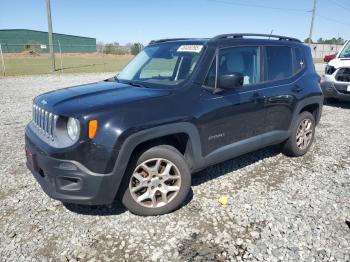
{"points": [[236, 36]]}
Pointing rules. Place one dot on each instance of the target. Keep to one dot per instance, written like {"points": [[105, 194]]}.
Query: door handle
{"points": [[257, 97], [297, 89]]}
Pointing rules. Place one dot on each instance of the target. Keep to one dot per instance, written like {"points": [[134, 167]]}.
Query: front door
{"points": [[232, 115]]}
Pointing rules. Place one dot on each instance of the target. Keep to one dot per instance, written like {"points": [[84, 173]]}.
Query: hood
{"points": [[340, 62], [78, 100]]}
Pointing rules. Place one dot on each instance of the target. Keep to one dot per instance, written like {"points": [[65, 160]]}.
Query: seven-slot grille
{"points": [[44, 120]]}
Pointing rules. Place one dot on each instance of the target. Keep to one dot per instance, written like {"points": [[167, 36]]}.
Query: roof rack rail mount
{"points": [[279, 37]]}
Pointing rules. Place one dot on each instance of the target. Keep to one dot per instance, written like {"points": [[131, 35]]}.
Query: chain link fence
{"points": [[33, 58]]}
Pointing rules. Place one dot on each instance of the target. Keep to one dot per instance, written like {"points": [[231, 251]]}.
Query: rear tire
{"points": [[302, 136], [156, 182]]}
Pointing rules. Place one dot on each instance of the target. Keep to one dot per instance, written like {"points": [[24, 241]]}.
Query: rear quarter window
{"points": [[299, 60]]}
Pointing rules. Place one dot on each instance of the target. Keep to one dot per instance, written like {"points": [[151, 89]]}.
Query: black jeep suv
{"points": [[179, 106]]}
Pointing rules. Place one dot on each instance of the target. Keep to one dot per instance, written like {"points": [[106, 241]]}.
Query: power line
{"points": [[281, 9], [332, 20], [259, 6], [340, 5]]}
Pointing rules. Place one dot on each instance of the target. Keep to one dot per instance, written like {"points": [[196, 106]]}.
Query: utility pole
{"points": [[312, 21], [52, 55]]}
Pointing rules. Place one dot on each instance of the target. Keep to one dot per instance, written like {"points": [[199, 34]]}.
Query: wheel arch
{"points": [[166, 134], [183, 136], [313, 109], [311, 104]]}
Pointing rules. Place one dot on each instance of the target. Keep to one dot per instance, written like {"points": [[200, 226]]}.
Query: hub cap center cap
{"points": [[155, 181]]}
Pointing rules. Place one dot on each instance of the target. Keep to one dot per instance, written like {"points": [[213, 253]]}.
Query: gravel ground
{"points": [[279, 208]]}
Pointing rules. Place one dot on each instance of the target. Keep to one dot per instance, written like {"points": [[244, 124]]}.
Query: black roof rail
{"points": [[279, 37], [166, 40]]}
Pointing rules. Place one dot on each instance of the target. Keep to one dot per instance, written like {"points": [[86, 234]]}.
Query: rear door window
{"points": [[278, 63]]}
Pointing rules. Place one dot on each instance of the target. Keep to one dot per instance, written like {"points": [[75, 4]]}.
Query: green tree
{"points": [[136, 48], [332, 41], [307, 41], [115, 49]]}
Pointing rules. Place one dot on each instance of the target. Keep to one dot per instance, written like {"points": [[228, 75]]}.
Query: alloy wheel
{"points": [[155, 182], [304, 134]]}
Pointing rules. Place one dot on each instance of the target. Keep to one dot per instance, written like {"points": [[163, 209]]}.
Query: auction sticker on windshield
{"points": [[190, 48]]}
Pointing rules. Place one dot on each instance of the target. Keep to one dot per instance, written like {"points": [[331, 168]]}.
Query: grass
{"points": [[26, 64], [18, 64]]}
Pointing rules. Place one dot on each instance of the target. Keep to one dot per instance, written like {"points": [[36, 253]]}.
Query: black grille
{"points": [[342, 88], [44, 121], [343, 75]]}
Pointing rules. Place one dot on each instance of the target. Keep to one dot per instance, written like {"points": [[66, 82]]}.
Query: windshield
{"points": [[166, 64], [345, 53]]}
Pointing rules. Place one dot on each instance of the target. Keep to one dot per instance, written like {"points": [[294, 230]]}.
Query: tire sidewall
{"points": [[166, 152]]}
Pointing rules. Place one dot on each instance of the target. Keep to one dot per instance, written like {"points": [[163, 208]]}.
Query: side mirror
{"points": [[229, 81]]}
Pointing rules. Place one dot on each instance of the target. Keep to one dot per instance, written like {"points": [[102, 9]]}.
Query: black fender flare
{"points": [[306, 102], [131, 142]]}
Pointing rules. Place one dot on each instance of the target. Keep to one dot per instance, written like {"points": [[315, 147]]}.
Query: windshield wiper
{"points": [[115, 79], [134, 84]]}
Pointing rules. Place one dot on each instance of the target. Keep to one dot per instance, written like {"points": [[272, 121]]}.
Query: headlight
{"points": [[73, 128], [330, 70]]}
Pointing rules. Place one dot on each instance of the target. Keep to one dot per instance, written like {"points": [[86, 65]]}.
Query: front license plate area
{"points": [[348, 88]]}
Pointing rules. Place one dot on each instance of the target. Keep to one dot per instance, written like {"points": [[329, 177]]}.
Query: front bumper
{"points": [[69, 181], [335, 90]]}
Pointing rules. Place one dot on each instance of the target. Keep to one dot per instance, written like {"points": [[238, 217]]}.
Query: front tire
{"points": [[302, 136], [157, 182]]}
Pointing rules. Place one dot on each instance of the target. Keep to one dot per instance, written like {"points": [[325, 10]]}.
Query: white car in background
{"points": [[336, 83]]}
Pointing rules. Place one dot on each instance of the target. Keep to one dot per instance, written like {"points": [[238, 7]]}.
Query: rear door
{"points": [[282, 68]]}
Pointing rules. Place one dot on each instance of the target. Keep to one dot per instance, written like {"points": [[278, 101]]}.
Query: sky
{"points": [[143, 20]]}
